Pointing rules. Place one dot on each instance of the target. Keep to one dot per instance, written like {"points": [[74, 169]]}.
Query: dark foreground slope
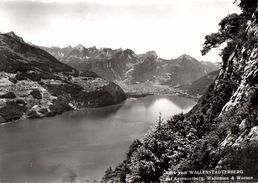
{"points": [[34, 84], [219, 133]]}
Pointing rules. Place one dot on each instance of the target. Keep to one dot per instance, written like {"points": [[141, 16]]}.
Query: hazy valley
{"points": [[141, 74]]}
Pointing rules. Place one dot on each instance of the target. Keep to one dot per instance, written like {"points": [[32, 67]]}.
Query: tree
{"points": [[247, 6], [232, 30]]}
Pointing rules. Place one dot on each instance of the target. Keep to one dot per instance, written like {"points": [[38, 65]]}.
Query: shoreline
{"points": [[128, 95]]}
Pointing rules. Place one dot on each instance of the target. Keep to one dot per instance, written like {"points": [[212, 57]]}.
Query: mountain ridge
{"points": [[125, 65], [35, 84]]}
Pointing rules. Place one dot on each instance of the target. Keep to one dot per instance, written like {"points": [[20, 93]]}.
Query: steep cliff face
{"points": [[35, 84], [219, 133]]}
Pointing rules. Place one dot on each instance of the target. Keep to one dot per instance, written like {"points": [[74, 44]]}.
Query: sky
{"points": [[169, 27]]}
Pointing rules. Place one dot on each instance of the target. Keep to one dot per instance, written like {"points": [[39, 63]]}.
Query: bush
{"points": [[13, 80], [9, 95], [43, 111], [20, 76], [20, 102], [133, 147], [33, 76], [59, 107], [64, 89], [32, 115], [144, 166], [36, 94], [12, 111]]}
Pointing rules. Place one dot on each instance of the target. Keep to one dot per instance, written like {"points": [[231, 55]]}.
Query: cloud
{"points": [[35, 15], [170, 27]]}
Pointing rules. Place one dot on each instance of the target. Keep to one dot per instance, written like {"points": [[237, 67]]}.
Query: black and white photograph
{"points": [[128, 91]]}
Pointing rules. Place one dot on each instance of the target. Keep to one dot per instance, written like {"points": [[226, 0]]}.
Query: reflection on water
{"points": [[79, 145]]}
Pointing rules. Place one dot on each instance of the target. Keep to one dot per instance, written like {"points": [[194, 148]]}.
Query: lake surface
{"points": [[79, 145]]}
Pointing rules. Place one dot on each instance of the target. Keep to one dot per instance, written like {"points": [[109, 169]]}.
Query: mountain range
{"points": [[35, 84], [126, 65]]}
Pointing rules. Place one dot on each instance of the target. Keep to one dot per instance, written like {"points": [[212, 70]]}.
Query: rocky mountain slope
{"points": [[217, 141], [107, 63], [185, 69], [200, 86], [35, 84], [125, 65]]}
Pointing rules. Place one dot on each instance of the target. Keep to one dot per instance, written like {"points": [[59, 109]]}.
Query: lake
{"points": [[79, 145]]}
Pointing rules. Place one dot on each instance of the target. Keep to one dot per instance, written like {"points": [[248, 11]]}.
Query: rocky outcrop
{"points": [[35, 84]]}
